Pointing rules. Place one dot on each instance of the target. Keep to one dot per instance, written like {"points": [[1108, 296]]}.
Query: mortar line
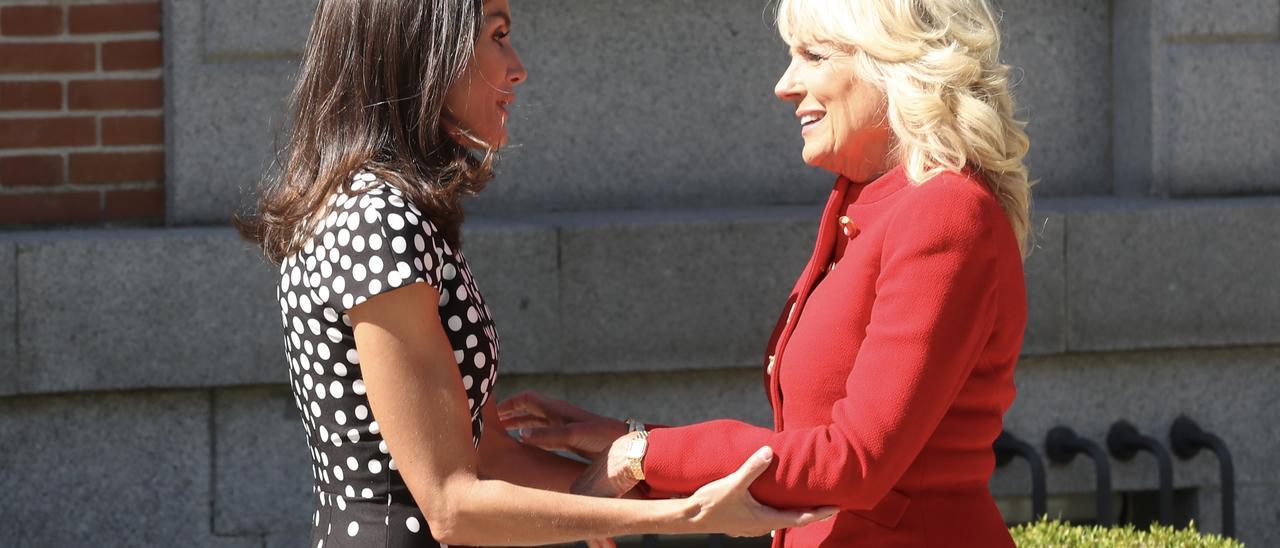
{"points": [[17, 316], [213, 463]]}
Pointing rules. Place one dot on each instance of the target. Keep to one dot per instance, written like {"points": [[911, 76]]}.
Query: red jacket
{"points": [[889, 372]]}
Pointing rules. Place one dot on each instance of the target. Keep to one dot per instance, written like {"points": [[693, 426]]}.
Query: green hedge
{"points": [[1063, 535]]}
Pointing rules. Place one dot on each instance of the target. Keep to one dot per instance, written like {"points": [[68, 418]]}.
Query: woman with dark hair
{"points": [[398, 108]]}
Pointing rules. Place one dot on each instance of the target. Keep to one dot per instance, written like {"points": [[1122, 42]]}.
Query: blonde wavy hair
{"points": [[949, 98]]}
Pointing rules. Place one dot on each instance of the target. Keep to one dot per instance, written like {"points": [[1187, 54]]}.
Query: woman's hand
{"points": [[556, 425], [725, 506], [608, 475]]}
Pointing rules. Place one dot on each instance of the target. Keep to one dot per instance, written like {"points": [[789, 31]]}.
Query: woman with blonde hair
{"points": [[892, 363]]}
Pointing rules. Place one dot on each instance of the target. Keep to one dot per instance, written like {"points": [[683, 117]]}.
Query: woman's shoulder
{"points": [[955, 188], [369, 203], [371, 239], [955, 203]]}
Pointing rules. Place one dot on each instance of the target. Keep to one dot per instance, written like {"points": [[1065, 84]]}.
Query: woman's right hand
{"points": [[725, 505], [556, 425]]}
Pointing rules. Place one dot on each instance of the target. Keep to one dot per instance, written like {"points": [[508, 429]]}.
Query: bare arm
{"points": [[502, 457], [416, 393]]}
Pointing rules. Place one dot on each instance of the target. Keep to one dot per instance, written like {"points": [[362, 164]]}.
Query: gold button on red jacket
{"points": [[890, 377]]}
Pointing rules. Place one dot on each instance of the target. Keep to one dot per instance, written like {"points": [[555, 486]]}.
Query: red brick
{"points": [[30, 95], [47, 132], [52, 57], [115, 94], [43, 207], [116, 167], [31, 20], [103, 18], [132, 55], [135, 204], [31, 171], [133, 130]]}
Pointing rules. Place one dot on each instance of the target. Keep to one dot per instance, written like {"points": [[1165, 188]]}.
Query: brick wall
{"points": [[81, 113]]}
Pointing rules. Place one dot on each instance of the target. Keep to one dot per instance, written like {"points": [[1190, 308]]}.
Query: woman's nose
{"points": [[787, 89], [516, 72]]}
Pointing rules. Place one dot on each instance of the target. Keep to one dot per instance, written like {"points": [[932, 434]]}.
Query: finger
{"points": [[512, 404], [527, 402], [523, 421], [755, 465], [558, 437]]}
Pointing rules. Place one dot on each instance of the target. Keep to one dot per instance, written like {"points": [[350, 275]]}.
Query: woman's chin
{"points": [[810, 158], [815, 158]]}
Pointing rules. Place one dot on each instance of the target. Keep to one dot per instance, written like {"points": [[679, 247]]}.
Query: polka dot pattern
{"points": [[370, 241]]}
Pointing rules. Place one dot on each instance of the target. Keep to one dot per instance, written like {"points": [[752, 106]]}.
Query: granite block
{"points": [[516, 266], [1258, 514], [248, 29], [1164, 274], [8, 318], [671, 290], [225, 102], [1221, 19], [1061, 54], [1223, 139], [1045, 273], [290, 539], [674, 108], [261, 466], [109, 309], [107, 470], [1133, 68]]}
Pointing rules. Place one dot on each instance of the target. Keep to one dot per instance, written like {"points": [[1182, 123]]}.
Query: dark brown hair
{"points": [[369, 96]]}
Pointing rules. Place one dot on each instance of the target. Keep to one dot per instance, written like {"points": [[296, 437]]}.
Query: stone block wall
{"points": [[81, 113]]}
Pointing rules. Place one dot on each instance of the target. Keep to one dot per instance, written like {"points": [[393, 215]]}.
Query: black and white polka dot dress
{"points": [[371, 241]]}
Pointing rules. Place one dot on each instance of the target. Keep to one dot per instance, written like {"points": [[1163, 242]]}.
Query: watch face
{"points": [[637, 448]]}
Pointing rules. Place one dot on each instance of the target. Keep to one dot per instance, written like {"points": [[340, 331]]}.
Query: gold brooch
{"points": [[847, 227]]}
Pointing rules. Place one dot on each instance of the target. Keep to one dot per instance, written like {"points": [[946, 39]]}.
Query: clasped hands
{"points": [[555, 425]]}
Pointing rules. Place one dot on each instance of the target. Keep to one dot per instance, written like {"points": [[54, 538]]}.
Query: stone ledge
{"points": [[110, 309], [619, 291], [1172, 274]]}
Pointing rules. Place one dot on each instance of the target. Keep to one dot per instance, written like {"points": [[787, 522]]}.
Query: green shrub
{"points": [[1046, 533]]}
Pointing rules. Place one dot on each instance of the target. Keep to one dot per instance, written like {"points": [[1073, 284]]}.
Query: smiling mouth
{"points": [[809, 120]]}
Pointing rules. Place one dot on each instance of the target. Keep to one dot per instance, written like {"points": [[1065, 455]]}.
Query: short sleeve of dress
{"points": [[372, 241]]}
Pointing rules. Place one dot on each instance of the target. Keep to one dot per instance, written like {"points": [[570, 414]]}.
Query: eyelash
{"points": [[812, 57], [501, 35]]}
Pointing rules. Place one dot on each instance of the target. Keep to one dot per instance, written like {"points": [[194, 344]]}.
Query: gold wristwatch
{"points": [[636, 449]]}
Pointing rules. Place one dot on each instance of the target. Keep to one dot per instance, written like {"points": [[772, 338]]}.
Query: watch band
{"points": [[635, 453]]}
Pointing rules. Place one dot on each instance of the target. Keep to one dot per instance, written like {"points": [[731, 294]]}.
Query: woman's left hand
{"points": [[555, 425], [608, 475]]}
